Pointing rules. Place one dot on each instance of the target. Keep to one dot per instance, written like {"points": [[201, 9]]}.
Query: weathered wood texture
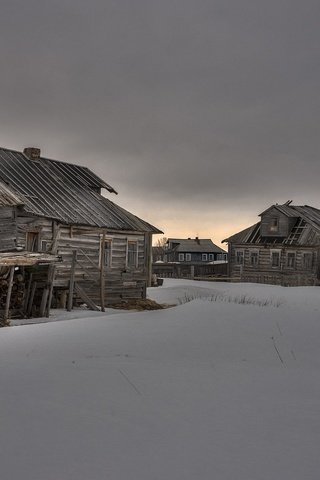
{"points": [[283, 274], [117, 281], [284, 224]]}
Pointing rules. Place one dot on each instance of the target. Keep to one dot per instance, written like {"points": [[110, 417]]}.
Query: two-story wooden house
{"points": [[57, 208], [283, 248], [193, 250]]}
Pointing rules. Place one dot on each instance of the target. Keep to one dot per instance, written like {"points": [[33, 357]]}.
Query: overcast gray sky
{"points": [[200, 113]]}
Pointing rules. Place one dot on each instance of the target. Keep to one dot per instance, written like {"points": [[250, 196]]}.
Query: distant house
{"points": [[96, 252], [193, 250], [283, 248]]}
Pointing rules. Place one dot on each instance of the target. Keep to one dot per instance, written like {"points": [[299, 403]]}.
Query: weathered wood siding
{"points": [[264, 272], [121, 282], [8, 229], [285, 224]]}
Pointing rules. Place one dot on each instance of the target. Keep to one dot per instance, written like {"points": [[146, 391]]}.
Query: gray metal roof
{"points": [[8, 198], [64, 192], [201, 245]]}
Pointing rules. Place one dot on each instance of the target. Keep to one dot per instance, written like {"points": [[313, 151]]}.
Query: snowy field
{"points": [[224, 386]]}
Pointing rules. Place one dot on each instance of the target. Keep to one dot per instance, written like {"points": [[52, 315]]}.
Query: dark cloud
{"points": [[193, 104]]}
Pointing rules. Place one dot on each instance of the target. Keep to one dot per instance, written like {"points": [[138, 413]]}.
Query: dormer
{"points": [[276, 223]]}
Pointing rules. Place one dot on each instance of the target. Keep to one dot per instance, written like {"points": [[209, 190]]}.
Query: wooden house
{"points": [[193, 250], [283, 248], [57, 209]]}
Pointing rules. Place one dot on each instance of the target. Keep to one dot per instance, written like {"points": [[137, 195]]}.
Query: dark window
{"points": [[291, 260], [239, 257], [204, 257], [307, 260], [275, 259], [32, 241], [254, 258], [274, 224]]}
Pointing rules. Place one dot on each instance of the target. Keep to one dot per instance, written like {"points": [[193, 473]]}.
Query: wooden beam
{"points": [[30, 304], [26, 300], [85, 298], [51, 274], [102, 279], [71, 283], [7, 307]]}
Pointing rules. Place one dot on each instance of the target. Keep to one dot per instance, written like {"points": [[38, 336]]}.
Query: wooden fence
{"points": [[179, 270]]}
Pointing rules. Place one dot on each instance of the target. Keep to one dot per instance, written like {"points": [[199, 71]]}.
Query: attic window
{"points": [[274, 224]]}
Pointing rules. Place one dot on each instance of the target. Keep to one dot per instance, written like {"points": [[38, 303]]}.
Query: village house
{"points": [[189, 258], [193, 250], [62, 242], [283, 248]]}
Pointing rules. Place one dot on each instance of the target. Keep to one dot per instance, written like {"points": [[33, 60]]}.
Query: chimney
{"points": [[197, 240], [32, 153]]}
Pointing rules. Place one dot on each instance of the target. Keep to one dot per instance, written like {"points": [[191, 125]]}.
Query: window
{"points": [[132, 254], [188, 257], [254, 258], [307, 260], [204, 257], [291, 260], [275, 259], [32, 241], [239, 257], [274, 224], [211, 257], [181, 257], [107, 253]]}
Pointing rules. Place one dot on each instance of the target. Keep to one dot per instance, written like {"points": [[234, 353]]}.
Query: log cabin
{"points": [[282, 249], [57, 209]]}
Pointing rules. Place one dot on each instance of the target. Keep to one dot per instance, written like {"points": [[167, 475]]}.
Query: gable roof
{"points": [[194, 245], [63, 192]]}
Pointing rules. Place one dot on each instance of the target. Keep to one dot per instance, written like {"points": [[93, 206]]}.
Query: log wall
{"points": [[264, 272]]}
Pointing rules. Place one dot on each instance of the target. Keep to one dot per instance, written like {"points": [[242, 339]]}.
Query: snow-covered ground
{"points": [[223, 387]]}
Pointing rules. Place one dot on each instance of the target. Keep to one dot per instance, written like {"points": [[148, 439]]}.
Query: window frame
{"points": [[307, 265], [133, 264], [278, 253], [33, 241], [274, 224], [204, 257], [254, 254], [188, 257], [291, 263], [239, 253], [181, 257]]}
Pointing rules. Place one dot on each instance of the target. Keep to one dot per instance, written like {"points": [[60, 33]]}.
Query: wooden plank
{"points": [[85, 297], [71, 284], [102, 279]]}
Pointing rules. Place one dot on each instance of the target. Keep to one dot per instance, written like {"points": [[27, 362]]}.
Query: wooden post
{"points": [[30, 304], [10, 285], [26, 300], [192, 272], [102, 279], [71, 284], [148, 259], [51, 274], [44, 298]]}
